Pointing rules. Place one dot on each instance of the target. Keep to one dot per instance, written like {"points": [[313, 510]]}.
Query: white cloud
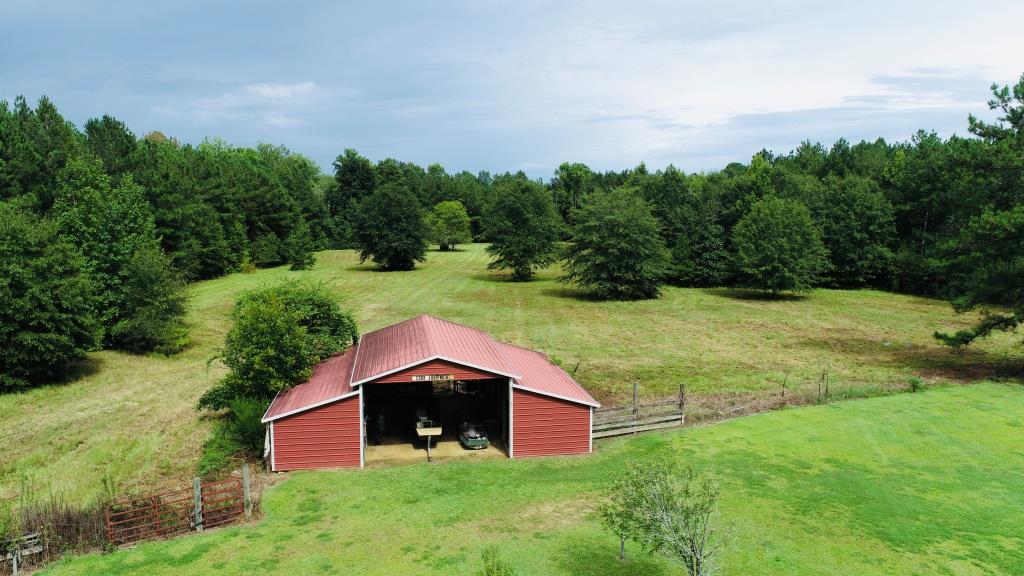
{"points": [[271, 104]]}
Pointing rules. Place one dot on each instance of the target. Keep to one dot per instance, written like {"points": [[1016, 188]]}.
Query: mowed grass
{"points": [[922, 484], [130, 419]]}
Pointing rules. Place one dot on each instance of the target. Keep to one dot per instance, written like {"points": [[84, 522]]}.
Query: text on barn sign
{"points": [[431, 377]]}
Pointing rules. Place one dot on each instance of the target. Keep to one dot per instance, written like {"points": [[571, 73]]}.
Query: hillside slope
{"points": [[131, 420]]}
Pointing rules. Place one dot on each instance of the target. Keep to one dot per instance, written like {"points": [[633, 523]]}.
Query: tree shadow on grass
{"points": [[936, 361], [571, 293], [371, 267], [590, 556], [83, 369], [751, 295]]}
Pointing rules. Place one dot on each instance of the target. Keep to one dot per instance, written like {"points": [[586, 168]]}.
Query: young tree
{"points": [[299, 247], [522, 226], [155, 297], [47, 302], [617, 251], [494, 564], [778, 247], [391, 230], [448, 223], [279, 334], [665, 510]]}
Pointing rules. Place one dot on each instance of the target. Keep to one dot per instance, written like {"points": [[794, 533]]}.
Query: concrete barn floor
{"points": [[397, 451]]}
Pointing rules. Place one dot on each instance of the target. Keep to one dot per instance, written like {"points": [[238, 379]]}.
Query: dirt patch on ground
{"points": [[543, 516]]}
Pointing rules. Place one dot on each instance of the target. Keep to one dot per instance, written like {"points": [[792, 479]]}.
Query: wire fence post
{"points": [[246, 491], [197, 489]]}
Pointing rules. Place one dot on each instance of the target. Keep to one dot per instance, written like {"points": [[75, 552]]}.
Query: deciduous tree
{"points": [[448, 224], [617, 251], [48, 302], [522, 226], [391, 230], [778, 247]]}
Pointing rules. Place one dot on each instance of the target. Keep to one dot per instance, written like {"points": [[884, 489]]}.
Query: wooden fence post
{"points": [[197, 489], [682, 403], [246, 491], [636, 398]]}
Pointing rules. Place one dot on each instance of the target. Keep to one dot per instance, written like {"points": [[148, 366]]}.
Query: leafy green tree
{"points": [[279, 333], [448, 224], [155, 300], [699, 256], [778, 247], [390, 228], [117, 235], [48, 302], [665, 510], [617, 251], [570, 186], [300, 247], [858, 229], [522, 226]]}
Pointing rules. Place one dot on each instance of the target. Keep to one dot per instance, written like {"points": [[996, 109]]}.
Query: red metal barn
{"points": [[423, 368]]}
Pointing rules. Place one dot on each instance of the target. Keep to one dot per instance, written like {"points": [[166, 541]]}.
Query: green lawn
{"points": [[926, 483], [130, 419]]}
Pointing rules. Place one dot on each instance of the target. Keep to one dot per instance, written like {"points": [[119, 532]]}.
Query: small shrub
{"points": [[245, 426], [916, 384], [494, 564], [220, 452]]}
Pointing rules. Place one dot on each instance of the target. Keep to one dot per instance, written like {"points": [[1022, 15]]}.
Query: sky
{"points": [[517, 85]]}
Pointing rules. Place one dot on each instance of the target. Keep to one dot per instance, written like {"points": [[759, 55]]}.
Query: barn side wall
{"points": [[434, 368], [546, 426], [328, 436]]}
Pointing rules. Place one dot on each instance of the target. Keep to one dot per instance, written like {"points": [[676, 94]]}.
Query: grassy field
{"points": [[130, 419], [921, 484]]}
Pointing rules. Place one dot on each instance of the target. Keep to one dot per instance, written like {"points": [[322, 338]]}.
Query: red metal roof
{"points": [[540, 375], [329, 382], [426, 338], [420, 340]]}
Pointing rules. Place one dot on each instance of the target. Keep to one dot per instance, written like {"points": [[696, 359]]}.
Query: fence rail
{"points": [[205, 505], [639, 417]]}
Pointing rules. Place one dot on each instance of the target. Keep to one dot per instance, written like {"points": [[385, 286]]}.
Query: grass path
{"points": [[917, 484], [130, 419]]}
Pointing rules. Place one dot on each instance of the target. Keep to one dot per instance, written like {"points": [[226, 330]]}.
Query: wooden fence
{"points": [[640, 417], [16, 549], [205, 505]]}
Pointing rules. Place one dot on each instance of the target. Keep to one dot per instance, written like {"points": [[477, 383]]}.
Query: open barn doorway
{"points": [[470, 418]]}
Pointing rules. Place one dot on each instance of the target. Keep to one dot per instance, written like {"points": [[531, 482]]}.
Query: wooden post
{"points": [[622, 548], [246, 491], [682, 403], [636, 403], [197, 489], [14, 561]]}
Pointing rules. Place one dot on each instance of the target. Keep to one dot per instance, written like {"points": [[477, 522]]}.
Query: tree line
{"points": [[100, 229]]}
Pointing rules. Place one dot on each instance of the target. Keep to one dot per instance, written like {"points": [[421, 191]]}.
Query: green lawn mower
{"points": [[473, 436]]}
